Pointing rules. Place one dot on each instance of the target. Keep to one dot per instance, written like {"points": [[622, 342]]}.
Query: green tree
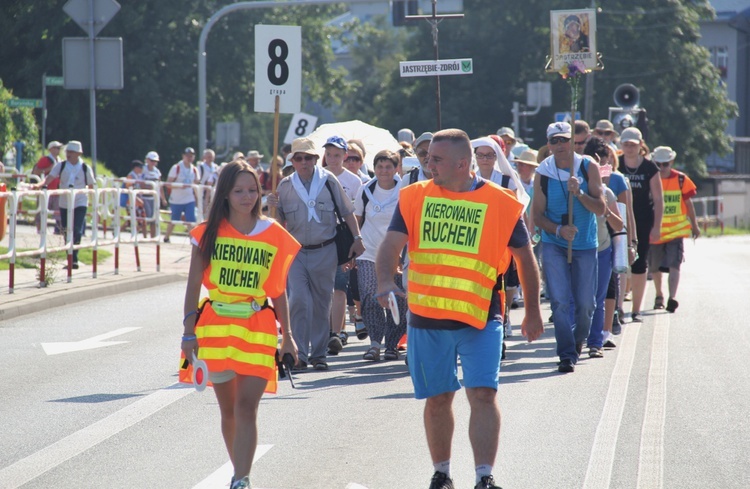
{"points": [[649, 43], [18, 124], [157, 108]]}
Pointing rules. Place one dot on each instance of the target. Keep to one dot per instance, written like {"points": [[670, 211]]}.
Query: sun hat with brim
{"points": [[507, 131], [254, 154], [54, 144], [604, 125], [74, 146], [527, 157], [663, 154], [304, 146]]}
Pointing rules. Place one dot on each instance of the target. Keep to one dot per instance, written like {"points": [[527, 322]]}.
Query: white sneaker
{"points": [[507, 328]]}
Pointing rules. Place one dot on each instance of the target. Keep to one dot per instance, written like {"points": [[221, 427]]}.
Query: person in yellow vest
{"points": [[242, 258], [461, 231], [667, 254]]}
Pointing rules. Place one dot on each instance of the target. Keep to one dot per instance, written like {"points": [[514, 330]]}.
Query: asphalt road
{"points": [[89, 399]]}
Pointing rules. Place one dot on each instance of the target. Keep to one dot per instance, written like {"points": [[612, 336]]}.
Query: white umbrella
{"points": [[374, 138]]}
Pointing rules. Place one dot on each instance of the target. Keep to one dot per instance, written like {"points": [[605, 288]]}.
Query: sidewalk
{"points": [[28, 297]]}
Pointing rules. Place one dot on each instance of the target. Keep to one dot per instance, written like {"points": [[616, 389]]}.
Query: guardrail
{"points": [[709, 211], [104, 214]]}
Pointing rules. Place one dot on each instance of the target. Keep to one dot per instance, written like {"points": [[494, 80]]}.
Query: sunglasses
{"points": [[422, 154], [580, 143], [299, 159], [356, 159], [558, 139], [662, 165], [603, 133]]}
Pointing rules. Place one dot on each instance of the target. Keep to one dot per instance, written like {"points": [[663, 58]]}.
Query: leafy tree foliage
{"points": [[17, 124]]}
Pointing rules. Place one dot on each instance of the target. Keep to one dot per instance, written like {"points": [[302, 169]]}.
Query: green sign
{"points": [[34, 103], [53, 81]]}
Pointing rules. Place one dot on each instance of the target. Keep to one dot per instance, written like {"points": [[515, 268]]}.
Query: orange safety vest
{"points": [[244, 269], [675, 223], [458, 245]]}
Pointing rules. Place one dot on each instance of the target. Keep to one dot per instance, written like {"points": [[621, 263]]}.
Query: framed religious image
{"points": [[573, 38]]}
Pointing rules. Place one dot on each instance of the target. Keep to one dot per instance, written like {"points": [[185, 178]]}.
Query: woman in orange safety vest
{"points": [[242, 259]]}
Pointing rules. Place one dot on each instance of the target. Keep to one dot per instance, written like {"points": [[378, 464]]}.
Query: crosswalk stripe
{"points": [[222, 476], [47, 458]]}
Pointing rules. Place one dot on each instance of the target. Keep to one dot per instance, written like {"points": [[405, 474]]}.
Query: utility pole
{"points": [[434, 20]]}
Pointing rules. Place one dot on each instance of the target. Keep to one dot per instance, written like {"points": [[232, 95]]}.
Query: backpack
{"points": [[85, 171], [414, 175]]}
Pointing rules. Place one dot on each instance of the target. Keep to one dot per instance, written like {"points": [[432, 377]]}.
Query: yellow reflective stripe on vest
{"points": [[236, 331], [674, 232], [417, 258], [445, 304], [454, 283], [260, 359]]}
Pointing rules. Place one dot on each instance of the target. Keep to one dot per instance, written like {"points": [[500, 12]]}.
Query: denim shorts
{"points": [[342, 279], [433, 358], [178, 209]]}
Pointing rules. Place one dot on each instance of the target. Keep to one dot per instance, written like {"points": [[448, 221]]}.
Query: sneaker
{"points": [[616, 325], [507, 328], [344, 337], [672, 305], [636, 317], [566, 366], [390, 355], [320, 365], [440, 480], [243, 483], [608, 343], [166, 240], [487, 482], [620, 316], [361, 329], [502, 355], [334, 344], [595, 353]]}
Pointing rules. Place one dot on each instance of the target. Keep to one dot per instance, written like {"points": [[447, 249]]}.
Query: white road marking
{"points": [[87, 344], [353, 485], [38, 463], [224, 474], [651, 459], [602, 457]]}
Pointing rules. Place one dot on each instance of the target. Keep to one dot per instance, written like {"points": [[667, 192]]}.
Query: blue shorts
{"points": [[433, 358], [178, 209], [342, 279]]}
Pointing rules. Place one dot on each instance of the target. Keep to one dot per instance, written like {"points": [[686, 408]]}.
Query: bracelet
{"points": [[191, 313], [557, 231], [189, 337]]}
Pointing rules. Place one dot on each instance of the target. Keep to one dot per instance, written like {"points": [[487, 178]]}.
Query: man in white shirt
{"points": [[182, 198], [73, 174]]}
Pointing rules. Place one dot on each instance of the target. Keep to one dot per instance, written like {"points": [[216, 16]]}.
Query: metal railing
{"points": [[709, 211]]}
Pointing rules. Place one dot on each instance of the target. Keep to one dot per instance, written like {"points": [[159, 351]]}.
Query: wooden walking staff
{"points": [[274, 164], [573, 55]]}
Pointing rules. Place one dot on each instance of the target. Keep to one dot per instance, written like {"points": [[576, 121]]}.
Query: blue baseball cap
{"points": [[337, 141]]}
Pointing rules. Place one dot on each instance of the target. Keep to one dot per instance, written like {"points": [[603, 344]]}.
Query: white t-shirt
{"points": [[188, 175], [207, 171], [151, 176], [378, 217], [350, 182], [74, 175]]}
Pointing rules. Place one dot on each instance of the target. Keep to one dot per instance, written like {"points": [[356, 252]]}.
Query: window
{"points": [[720, 59]]}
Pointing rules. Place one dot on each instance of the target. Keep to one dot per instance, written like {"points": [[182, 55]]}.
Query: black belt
{"points": [[318, 246]]}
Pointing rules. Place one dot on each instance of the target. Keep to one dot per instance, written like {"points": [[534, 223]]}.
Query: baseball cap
{"points": [[425, 136], [558, 129], [304, 146], [54, 144], [74, 146], [153, 156], [507, 131], [338, 142], [631, 134], [136, 163], [189, 150]]}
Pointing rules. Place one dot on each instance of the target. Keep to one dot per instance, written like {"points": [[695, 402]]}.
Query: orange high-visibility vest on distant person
{"points": [[458, 245], [675, 223], [244, 269]]}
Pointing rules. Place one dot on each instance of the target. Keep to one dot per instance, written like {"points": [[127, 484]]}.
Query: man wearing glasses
{"points": [[562, 174], [421, 148], [581, 136], [667, 254], [605, 130], [306, 201]]}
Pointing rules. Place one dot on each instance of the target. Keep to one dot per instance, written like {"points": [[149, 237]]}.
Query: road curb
{"points": [[101, 287]]}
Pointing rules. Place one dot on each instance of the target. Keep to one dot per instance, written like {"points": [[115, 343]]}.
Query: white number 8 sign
{"points": [[278, 68]]}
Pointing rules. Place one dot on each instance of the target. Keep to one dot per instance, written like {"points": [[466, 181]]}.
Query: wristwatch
{"points": [[358, 237], [580, 193]]}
